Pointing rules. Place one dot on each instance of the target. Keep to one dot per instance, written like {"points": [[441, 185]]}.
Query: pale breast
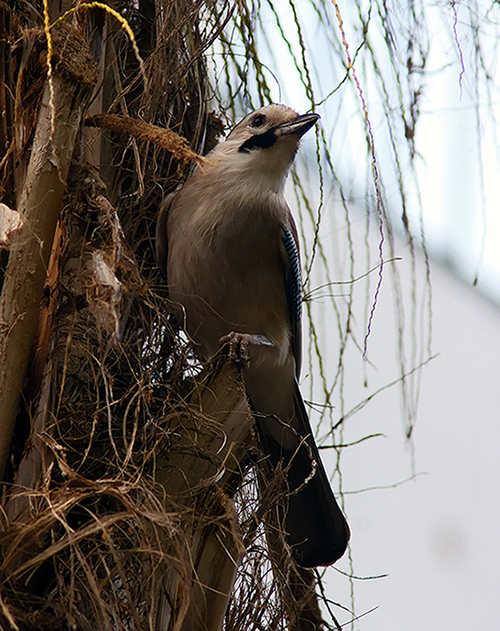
{"points": [[226, 273]]}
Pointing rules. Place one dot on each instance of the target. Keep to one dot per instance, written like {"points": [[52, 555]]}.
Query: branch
{"points": [[214, 431], [63, 103]]}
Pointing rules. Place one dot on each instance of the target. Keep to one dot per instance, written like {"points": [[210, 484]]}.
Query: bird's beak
{"points": [[298, 127]]}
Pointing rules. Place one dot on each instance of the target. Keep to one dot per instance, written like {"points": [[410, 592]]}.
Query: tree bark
{"points": [[60, 114], [215, 437]]}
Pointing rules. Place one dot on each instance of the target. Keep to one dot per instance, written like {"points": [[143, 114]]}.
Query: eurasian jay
{"points": [[228, 245]]}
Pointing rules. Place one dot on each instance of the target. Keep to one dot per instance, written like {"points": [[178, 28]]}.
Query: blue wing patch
{"points": [[293, 281]]}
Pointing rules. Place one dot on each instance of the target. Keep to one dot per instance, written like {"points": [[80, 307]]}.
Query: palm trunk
{"points": [[59, 119]]}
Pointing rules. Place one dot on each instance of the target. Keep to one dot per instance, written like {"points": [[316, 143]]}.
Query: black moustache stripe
{"points": [[261, 141]]}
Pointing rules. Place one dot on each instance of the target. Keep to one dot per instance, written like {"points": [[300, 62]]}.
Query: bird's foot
{"points": [[239, 344], [238, 347]]}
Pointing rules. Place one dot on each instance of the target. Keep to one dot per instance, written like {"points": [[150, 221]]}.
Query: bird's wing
{"points": [[161, 237], [293, 285]]}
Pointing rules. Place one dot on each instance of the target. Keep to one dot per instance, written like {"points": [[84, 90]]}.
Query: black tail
{"points": [[317, 531]]}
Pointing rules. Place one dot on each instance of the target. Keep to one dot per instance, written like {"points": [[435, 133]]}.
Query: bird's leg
{"points": [[239, 343]]}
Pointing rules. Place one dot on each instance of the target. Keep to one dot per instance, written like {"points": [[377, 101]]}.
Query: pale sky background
{"points": [[436, 537]]}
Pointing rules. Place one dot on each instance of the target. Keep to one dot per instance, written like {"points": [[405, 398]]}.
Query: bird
{"points": [[228, 245]]}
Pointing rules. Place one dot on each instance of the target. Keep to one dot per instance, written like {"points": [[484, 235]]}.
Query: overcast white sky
{"points": [[436, 537], [459, 176]]}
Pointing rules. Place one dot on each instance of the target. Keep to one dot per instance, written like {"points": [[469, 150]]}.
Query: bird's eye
{"points": [[258, 121]]}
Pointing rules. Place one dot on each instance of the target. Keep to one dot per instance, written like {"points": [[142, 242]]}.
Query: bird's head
{"points": [[263, 145]]}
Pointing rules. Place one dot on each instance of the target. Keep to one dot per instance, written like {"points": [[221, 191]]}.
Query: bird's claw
{"points": [[238, 347]]}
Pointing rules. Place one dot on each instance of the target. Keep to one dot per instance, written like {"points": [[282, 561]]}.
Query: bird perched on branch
{"points": [[227, 243]]}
